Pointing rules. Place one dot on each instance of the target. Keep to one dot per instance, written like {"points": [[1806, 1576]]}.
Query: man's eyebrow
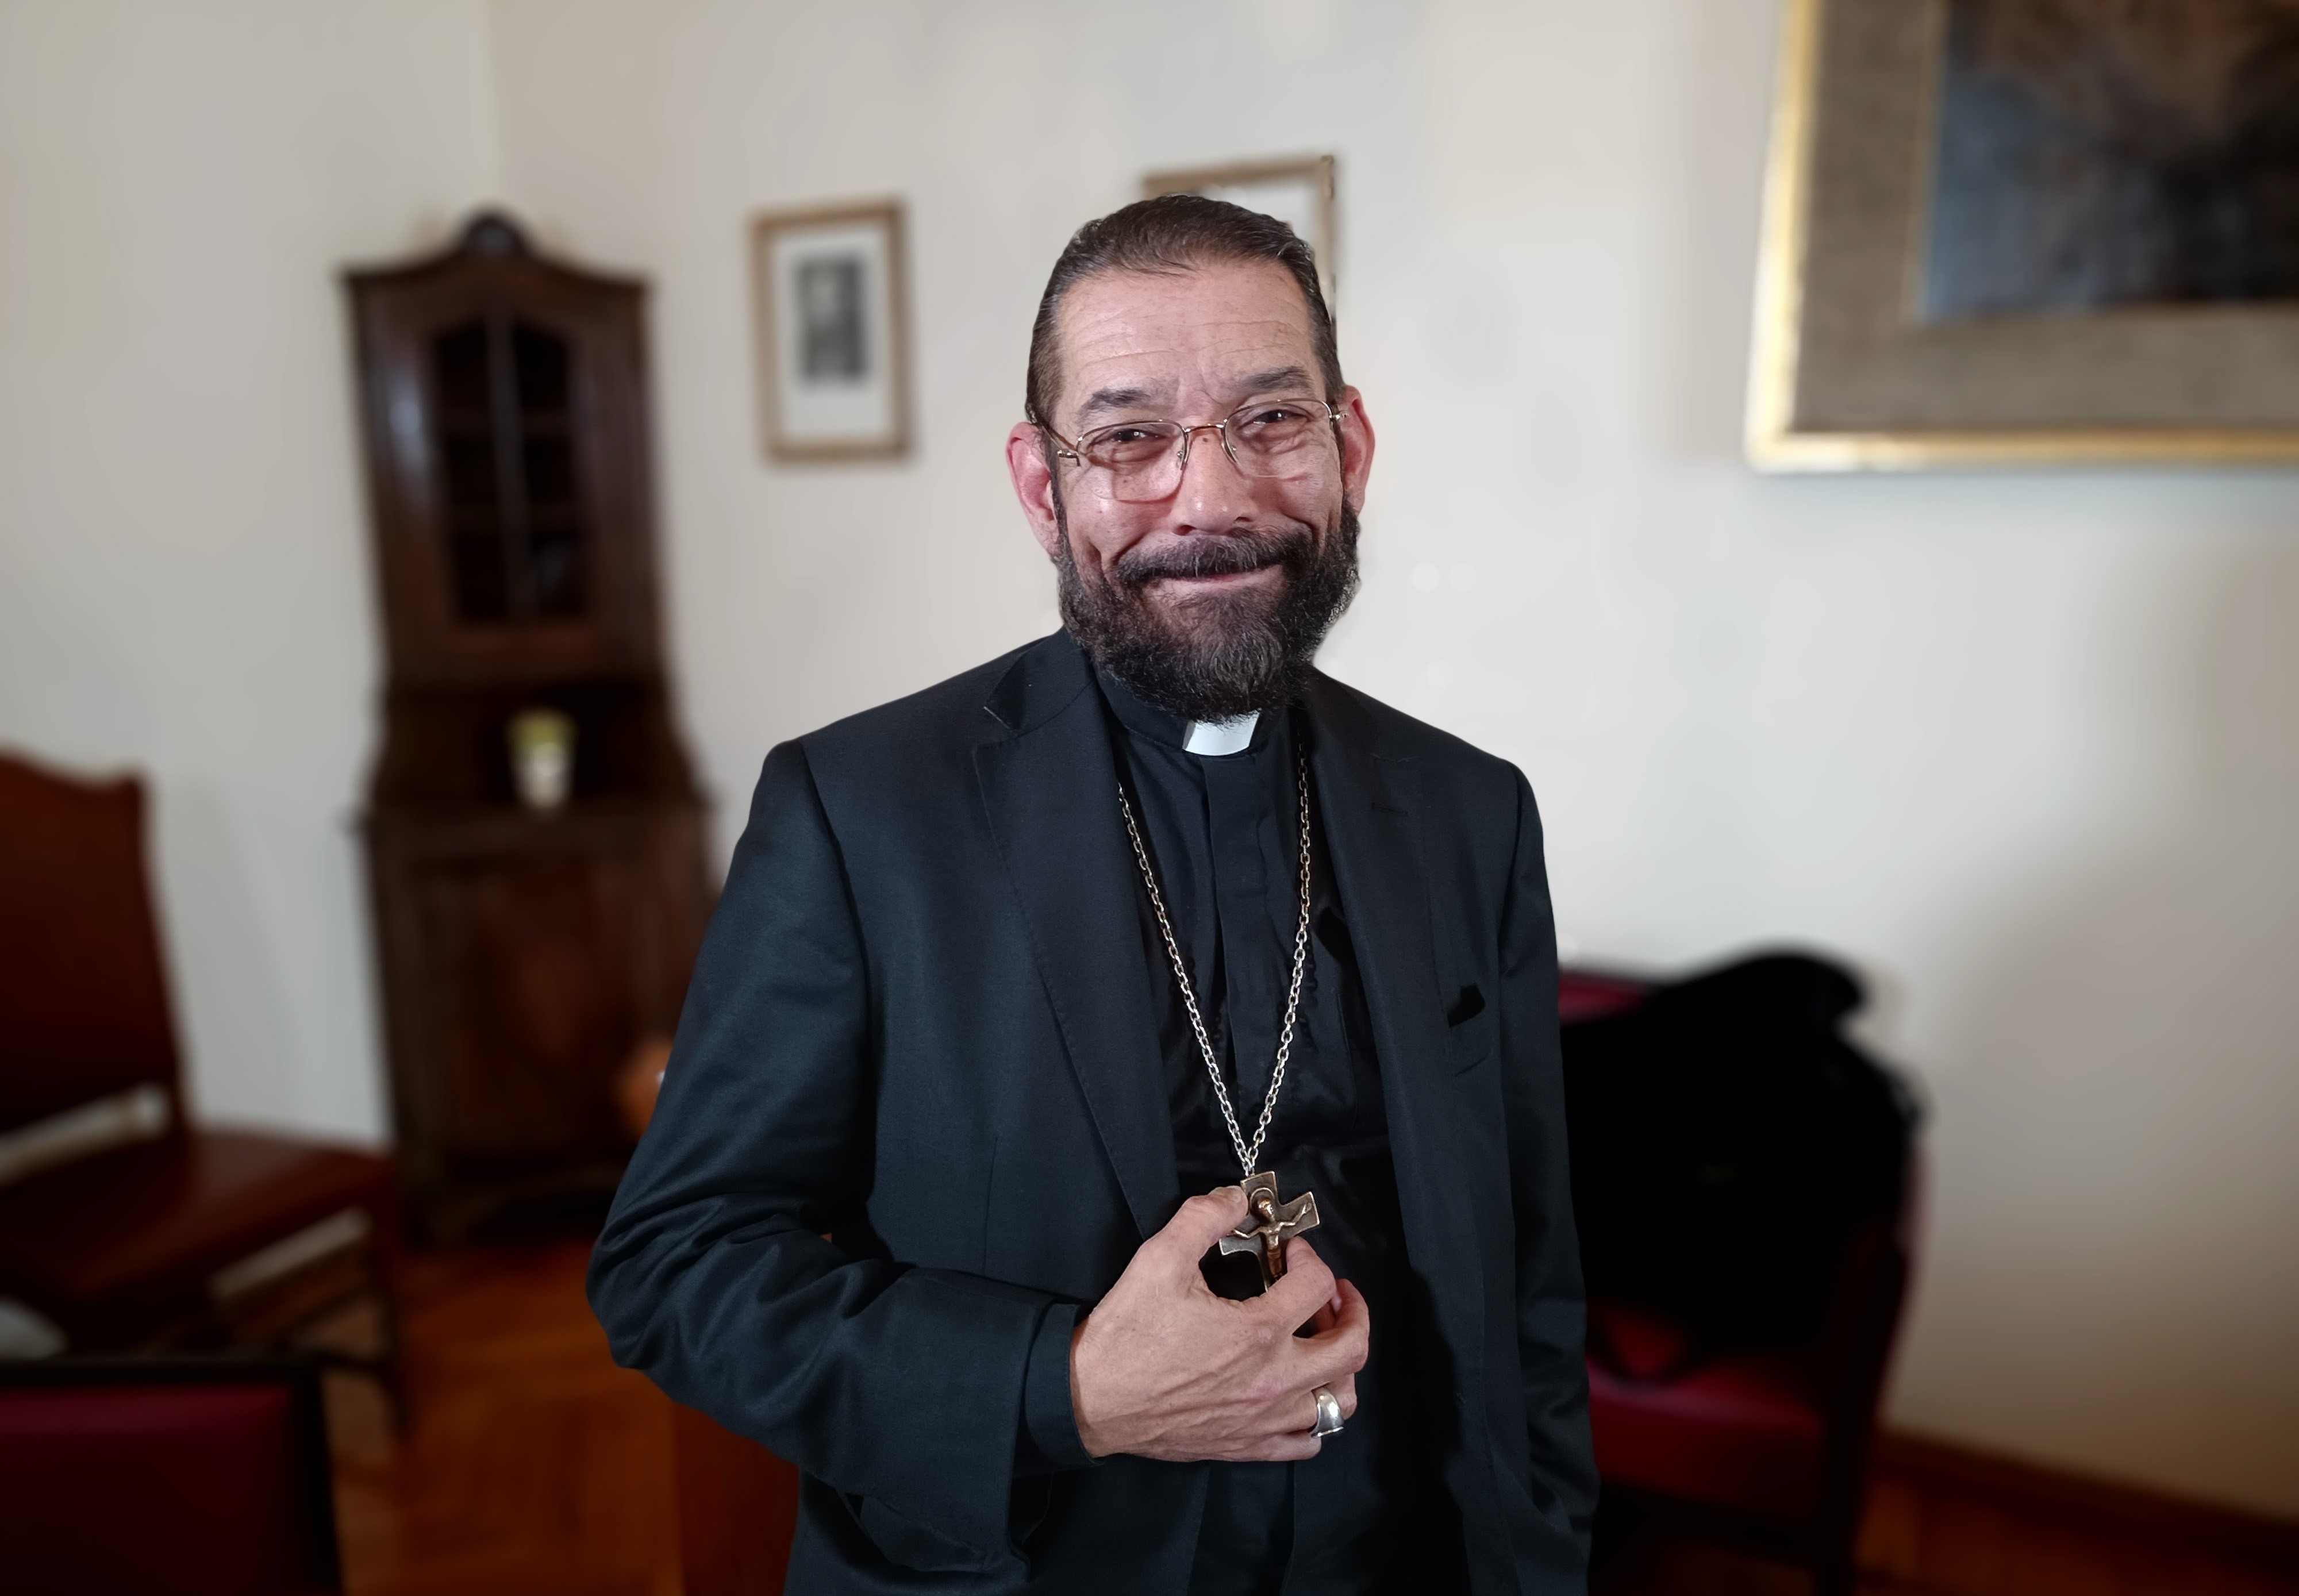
{"points": [[1115, 398], [1276, 378]]}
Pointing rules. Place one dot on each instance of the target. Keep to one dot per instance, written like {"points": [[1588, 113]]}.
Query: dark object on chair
{"points": [[193, 1476], [1742, 1178], [171, 1235]]}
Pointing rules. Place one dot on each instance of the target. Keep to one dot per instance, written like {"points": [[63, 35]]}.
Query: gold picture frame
{"points": [[830, 292], [1284, 187], [1845, 377]]}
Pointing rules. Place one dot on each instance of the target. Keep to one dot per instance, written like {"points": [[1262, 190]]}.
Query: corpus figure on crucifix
{"points": [[1270, 1224]]}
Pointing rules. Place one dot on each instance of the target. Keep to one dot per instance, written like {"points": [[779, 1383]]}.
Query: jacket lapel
{"points": [[1051, 791], [1372, 827], [1369, 805]]}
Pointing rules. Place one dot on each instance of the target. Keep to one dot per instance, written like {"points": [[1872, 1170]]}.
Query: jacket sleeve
{"points": [[1551, 1306], [903, 1387]]}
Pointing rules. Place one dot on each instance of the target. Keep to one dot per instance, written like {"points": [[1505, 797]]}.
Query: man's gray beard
{"points": [[1235, 652]]}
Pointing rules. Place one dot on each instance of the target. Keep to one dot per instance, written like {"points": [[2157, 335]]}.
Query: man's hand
{"points": [[1164, 1368]]}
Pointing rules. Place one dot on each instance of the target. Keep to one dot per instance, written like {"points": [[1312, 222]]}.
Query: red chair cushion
{"points": [[190, 1490], [1637, 1343], [165, 1216], [1585, 994], [1740, 1431]]}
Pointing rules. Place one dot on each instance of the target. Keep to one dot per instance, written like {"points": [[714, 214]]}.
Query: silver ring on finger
{"points": [[1329, 1413]]}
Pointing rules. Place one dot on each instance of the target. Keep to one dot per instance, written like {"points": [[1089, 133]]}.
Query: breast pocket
{"points": [[1469, 1029]]}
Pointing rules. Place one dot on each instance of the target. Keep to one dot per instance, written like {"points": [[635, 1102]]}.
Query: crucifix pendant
{"points": [[1269, 1222]]}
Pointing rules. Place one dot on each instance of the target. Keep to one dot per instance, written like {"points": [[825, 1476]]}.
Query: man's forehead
{"points": [[1144, 337]]}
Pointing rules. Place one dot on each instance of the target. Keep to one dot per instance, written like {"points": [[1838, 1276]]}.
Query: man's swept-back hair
{"points": [[1174, 233]]}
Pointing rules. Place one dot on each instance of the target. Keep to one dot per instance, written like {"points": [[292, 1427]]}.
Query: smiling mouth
{"points": [[1212, 565], [1216, 579]]}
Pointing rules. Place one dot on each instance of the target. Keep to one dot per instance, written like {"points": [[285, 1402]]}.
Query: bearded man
{"points": [[1148, 907]]}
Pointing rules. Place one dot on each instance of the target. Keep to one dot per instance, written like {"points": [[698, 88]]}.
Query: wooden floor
{"points": [[534, 1464]]}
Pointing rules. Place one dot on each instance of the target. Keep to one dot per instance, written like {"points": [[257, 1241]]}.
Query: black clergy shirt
{"points": [[1222, 832]]}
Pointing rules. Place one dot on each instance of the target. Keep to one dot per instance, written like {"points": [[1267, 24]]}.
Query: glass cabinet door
{"points": [[512, 519]]}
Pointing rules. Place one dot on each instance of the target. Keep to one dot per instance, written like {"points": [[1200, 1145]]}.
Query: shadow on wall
{"points": [[2118, 1196]]}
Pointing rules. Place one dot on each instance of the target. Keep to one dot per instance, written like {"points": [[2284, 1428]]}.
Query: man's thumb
{"points": [[1201, 1221]]}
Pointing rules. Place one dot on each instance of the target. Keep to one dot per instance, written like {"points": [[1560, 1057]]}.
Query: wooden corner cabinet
{"points": [[525, 950]]}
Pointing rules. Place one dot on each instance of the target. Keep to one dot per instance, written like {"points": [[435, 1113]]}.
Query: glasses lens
{"points": [[1130, 445], [1134, 460], [1269, 436]]}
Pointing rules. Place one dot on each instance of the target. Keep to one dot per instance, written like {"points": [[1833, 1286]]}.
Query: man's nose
{"points": [[1214, 494]]}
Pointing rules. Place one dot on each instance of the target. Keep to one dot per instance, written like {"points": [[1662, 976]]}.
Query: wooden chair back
{"points": [[84, 1010]]}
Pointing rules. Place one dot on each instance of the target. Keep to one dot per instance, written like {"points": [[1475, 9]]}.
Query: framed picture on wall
{"points": [[1300, 192], [2031, 231], [834, 338]]}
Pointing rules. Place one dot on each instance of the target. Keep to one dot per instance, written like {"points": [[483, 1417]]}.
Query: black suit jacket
{"points": [[917, 1098]]}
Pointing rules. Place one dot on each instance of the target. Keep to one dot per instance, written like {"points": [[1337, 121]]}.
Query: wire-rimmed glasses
{"points": [[1139, 463]]}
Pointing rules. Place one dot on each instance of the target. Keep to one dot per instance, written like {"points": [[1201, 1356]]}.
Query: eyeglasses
{"points": [[1139, 463]]}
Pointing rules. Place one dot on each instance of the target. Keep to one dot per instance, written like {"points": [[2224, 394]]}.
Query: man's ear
{"points": [[1034, 486], [1356, 448]]}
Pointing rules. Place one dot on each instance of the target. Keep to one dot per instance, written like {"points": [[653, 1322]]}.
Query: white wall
{"points": [[184, 577], [2023, 747]]}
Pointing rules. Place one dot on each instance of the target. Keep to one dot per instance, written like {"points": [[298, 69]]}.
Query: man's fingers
{"points": [[1200, 1222], [1352, 1318], [1305, 1286], [1294, 1412], [1286, 1446], [1327, 1356]]}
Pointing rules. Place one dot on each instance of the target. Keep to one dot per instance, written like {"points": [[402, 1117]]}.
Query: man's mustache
{"points": [[1217, 554]]}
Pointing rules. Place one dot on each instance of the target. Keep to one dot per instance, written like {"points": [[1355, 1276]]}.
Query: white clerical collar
{"points": [[1211, 737]]}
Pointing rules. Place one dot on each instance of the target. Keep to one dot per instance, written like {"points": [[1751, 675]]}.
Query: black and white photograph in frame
{"points": [[834, 355]]}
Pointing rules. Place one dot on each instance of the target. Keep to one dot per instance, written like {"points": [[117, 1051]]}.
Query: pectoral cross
{"points": [[1269, 1224]]}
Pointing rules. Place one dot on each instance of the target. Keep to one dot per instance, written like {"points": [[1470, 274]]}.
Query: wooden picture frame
{"points": [[1302, 191], [1862, 361], [831, 295]]}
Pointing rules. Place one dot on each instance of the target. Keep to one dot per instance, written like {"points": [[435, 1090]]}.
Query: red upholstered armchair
{"points": [[194, 1478], [120, 1221], [1734, 1367]]}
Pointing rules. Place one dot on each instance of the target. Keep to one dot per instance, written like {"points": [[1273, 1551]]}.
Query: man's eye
{"points": [[1275, 415], [1122, 436]]}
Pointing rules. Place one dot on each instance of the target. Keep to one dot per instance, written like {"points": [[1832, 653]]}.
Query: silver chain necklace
{"points": [[1246, 1152]]}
